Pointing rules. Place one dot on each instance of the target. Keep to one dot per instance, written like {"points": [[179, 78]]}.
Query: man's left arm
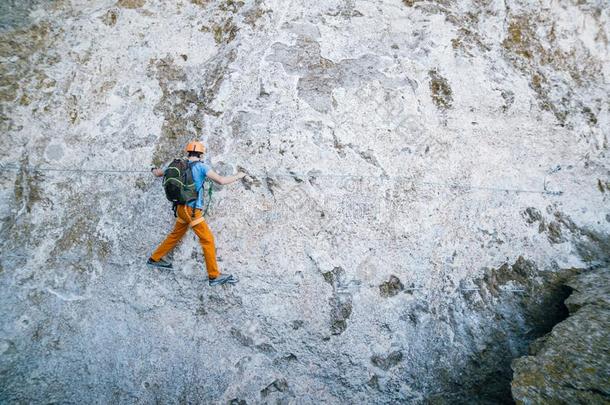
{"points": [[160, 171]]}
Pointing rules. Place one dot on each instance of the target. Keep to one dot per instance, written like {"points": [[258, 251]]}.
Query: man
{"points": [[190, 215]]}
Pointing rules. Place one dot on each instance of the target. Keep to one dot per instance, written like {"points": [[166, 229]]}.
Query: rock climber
{"points": [[190, 214]]}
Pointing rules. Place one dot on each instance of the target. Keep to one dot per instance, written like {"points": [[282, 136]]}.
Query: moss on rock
{"points": [[132, 4]]}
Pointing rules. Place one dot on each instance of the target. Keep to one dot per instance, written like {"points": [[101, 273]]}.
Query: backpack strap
{"points": [[190, 166]]}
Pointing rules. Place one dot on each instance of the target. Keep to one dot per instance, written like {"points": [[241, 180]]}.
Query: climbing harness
{"points": [[193, 221]]}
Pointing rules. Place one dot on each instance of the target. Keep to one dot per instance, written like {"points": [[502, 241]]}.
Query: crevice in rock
{"points": [[183, 109], [518, 303], [570, 363], [523, 323], [340, 301]]}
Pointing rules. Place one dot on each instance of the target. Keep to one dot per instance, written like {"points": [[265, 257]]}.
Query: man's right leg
{"points": [[171, 241], [206, 240]]}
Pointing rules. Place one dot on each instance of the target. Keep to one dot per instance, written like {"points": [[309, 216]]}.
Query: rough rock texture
{"points": [[572, 363], [395, 242]]}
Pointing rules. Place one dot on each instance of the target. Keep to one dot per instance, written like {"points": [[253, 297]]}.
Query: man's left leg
{"points": [[170, 241]]}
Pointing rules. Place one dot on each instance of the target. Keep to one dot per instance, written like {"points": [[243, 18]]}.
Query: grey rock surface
{"points": [[572, 363], [402, 238]]}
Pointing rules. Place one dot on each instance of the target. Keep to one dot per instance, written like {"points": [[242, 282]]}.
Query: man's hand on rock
{"points": [[157, 172]]}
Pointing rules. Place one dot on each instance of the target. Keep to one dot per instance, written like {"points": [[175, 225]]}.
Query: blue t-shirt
{"points": [[200, 171]]}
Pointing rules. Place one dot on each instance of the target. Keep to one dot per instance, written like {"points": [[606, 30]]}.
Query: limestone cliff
{"points": [[425, 177]]}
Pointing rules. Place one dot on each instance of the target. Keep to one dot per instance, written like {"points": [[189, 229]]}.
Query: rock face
{"points": [[425, 177], [572, 363]]}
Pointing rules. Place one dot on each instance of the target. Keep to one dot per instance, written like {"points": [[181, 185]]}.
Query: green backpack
{"points": [[178, 182]]}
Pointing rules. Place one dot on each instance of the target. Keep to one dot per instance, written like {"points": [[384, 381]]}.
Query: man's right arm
{"points": [[218, 179]]}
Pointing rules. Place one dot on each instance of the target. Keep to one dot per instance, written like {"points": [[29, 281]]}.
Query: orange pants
{"points": [[206, 239]]}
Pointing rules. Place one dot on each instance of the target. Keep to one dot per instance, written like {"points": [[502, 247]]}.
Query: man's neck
{"points": [[194, 158]]}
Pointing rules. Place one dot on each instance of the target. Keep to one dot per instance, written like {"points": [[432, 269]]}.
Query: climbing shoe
{"points": [[223, 279], [162, 264]]}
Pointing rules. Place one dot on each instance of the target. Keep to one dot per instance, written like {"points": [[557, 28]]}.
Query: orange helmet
{"points": [[194, 146]]}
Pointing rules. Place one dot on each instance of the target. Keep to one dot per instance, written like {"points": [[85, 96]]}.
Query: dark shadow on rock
{"points": [[570, 363], [518, 303], [388, 361], [279, 385]]}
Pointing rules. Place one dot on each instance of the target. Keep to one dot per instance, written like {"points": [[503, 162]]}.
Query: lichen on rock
{"points": [[133, 4], [110, 18], [442, 96]]}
